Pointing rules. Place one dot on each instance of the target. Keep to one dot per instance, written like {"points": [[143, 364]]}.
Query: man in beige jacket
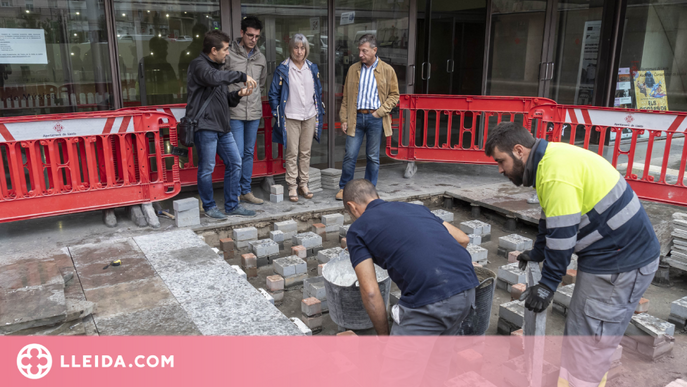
{"points": [[245, 56], [370, 92]]}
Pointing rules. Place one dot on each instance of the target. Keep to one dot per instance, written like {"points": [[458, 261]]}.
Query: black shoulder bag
{"points": [[186, 127]]}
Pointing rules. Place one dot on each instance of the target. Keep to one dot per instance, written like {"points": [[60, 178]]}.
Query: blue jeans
{"points": [[209, 144], [366, 124], [245, 133]]}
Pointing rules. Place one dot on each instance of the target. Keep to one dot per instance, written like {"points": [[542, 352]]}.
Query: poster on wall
{"points": [[623, 99], [22, 46], [650, 90], [589, 56]]}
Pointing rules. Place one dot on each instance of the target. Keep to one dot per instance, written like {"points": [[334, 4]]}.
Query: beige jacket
{"points": [[250, 108], [387, 87]]}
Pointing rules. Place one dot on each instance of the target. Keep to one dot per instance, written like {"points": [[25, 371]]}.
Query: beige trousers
{"points": [[299, 136]]}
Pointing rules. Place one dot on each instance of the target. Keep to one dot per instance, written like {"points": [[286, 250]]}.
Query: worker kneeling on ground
{"points": [[425, 257], [588, 209]]}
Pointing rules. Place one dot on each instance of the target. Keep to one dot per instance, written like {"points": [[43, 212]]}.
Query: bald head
{"points": [[359, 191]]}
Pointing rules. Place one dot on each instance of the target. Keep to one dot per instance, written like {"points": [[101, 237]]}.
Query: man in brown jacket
{"points": [[370, 92], [245, 56]]}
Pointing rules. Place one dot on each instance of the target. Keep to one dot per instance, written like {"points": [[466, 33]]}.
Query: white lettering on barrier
{"points": [[623, 119]]}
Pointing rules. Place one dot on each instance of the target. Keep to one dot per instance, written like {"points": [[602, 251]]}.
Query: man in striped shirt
{"points": [[370, 92]]}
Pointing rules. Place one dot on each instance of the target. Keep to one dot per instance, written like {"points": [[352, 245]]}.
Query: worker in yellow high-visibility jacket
{"points": [[587, 209]]}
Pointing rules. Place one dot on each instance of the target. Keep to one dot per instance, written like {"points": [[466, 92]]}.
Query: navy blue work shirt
{"points": [[412, 244]]}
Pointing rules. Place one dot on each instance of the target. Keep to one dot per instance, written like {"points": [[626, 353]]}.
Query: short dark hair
{"points": [[368, 38], [507, 135], [252, 22], [359, 191], [215, 38]]}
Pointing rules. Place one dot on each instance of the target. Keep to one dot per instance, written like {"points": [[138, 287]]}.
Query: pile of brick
{"points": [[315, 180], [331, 178], [266, 250], [314, 287], [513, 242], [310, 241], [327, 255], [311, 308], [293, 269], [478, 231], [649, 336], [511, 317], [288, 227], [509, 275], [275, 287], [678, 252], [242, 238], [678, 313]]}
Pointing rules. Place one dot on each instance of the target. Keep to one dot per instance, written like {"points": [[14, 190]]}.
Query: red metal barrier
{"points": [[452, 128], [268, 165], [66, 163], [654, 181], [420, 136]]}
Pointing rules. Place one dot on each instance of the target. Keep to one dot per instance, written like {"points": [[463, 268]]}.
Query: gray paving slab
{"points": [[214, 296]]}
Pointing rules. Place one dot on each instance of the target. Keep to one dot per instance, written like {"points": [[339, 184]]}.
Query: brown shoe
{"points": [[250, 198], [305, 192], [293, 194], [339, 195]]}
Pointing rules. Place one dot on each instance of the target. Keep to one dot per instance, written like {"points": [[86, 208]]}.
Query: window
{"points": [[58, 59]]}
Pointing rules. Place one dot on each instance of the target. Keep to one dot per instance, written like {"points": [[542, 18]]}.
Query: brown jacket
{"points": [[250, 108], [387, 87]]}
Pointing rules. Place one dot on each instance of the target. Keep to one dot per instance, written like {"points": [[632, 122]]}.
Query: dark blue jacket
{"points": [[279, 94]]}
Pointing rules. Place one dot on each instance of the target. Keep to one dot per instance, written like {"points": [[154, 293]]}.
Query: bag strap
{"points": [[205, 105]]}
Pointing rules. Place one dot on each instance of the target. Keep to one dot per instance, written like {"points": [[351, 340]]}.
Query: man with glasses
{"points": [[245, 56]]}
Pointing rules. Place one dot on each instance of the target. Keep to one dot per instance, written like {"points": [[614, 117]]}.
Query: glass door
{"points": [[450, 62]]}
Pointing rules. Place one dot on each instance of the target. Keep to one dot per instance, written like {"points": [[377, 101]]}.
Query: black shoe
{"points": [[240, 211]]}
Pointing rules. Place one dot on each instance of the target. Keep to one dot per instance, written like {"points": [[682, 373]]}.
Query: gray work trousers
{"points": [[600, 310], [424, 359]]}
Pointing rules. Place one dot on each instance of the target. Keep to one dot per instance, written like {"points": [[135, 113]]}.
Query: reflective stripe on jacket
{"points": [[589, 209]]}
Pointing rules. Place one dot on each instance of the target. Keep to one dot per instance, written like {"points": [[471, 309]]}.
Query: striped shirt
{"points": [[368, 96]]}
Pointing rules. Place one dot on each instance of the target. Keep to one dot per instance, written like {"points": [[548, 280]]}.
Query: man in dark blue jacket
{"points": [[213, 136]]}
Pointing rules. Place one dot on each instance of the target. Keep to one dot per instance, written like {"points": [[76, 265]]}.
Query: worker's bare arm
{"points": [[372, 297], [458, 235]]}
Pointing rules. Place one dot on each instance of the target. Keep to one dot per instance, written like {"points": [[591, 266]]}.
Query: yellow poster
{"points": [[650, 90]]}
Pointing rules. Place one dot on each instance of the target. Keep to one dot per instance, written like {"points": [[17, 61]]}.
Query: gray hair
{"points": [[299, 38], [368, 38]]}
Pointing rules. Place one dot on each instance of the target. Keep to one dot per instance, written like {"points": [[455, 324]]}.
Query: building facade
{"points": [[61, 56]]}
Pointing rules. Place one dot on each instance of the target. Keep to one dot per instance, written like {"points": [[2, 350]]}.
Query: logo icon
{"points": [[58, 127], [34, 361], [629, 119]]}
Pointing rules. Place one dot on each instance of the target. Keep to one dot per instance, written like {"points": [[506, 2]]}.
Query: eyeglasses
{"points": [[253, 36]]}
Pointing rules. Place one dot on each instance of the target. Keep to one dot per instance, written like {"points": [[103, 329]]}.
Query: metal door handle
{"points": [[429, 72], [412, 76], [452, 63], [552, 65]]}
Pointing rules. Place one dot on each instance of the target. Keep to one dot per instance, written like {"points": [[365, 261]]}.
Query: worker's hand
{"points": [[523, 258], [244, 92], [537, 298], [250, 82], [344, 127]]}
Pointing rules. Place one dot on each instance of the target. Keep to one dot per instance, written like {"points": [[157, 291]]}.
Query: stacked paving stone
{"points": [[331, 178], [510, 275], [562, 298], [249, 264], [478, 254], [332, 222], [513, 242], [678, 252], [311, 241], [444, 215], [266, 250], [314, 287], [227, 247], [242, 240], [288, 227], [186, 212], [511, 317], [279, 237], [678, 313], [315, 182], [326, 255], [275, 287], [476, 228], [649, 336], [277, 193], [311, 309], [293, 269]]}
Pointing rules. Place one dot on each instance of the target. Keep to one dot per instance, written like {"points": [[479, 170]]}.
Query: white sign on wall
{"points": [[22, 46], [347, 18], [315, 25]]}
